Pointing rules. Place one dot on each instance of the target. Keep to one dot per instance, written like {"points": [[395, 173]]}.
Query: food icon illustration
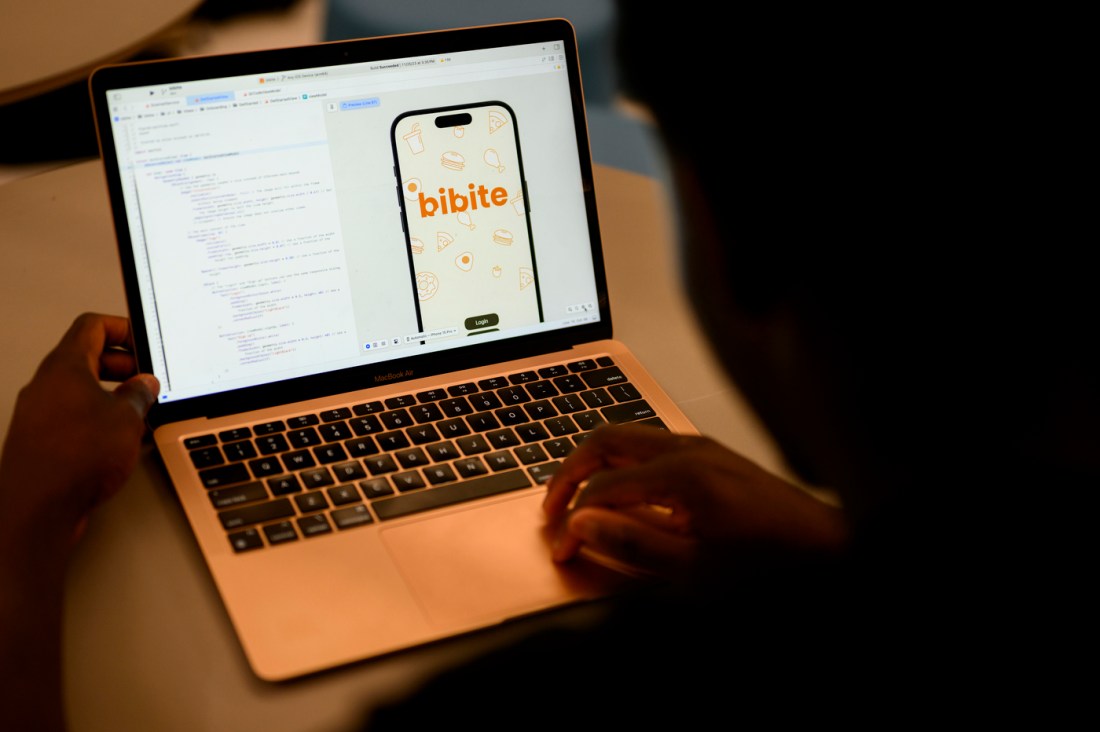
{"points": [[492, 159], [411, 188], [497, 271], [459, 130], [452, 160], [496, 121], [465, 261], [416, 245], [464, 219], [415, 139], [427, 284], [526, 278], [503, 236], [442, 240], [517, 204]]}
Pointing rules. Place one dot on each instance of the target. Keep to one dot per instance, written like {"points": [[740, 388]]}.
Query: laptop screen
{"points": [[290, 214]]}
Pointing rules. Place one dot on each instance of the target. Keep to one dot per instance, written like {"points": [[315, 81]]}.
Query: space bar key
{"points": [[450, 493]]}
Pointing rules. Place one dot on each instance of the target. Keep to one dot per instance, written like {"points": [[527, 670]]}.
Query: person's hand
{"points": [[672, 504], [72, 444]]}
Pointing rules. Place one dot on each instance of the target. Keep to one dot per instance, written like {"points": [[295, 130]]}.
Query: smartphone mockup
{"points": [[466, 218]]}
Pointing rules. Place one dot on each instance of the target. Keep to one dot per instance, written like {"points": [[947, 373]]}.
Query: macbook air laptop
{"points": [[368, 275]]}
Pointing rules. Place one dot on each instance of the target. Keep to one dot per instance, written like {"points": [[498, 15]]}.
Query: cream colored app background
{"points": [[476, 260]]}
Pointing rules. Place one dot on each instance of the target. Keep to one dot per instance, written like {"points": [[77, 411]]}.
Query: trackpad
{"points": [[486, 563]]}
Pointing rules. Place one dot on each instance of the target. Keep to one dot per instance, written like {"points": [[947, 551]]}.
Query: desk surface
{"points": [[45, 45], [147, 642]]}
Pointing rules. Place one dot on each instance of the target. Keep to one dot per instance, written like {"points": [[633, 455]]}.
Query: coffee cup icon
{"points": [[414, 139]]}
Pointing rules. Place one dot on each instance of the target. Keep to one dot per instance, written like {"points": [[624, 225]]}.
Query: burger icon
{"points": [[452, 160], [503, 236]]}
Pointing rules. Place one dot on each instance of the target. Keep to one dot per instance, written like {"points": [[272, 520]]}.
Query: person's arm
{"points": [[673, 504], [71, 445]]}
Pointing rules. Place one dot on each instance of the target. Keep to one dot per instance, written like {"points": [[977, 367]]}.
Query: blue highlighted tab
{"points": [[359, 104], [211, 98]]}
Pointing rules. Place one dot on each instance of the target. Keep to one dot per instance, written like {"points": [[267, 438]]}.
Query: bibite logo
{"points": [[450, 202]]}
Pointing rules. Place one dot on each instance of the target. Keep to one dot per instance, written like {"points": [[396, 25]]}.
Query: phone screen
{"points": [[466, 219]]}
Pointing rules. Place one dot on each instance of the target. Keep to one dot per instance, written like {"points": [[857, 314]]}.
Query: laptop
{"points": [[368, 275]]}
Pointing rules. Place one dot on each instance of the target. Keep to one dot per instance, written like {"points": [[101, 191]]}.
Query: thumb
{"points": [[139, 391]]}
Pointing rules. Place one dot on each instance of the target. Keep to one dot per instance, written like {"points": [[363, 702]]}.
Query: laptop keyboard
{"points": [[317, 473]]}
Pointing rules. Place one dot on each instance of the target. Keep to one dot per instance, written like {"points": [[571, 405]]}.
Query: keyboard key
{"points": [[485, 400], [588, 421], [512, 415], [470, 467], [376, 488], [280, 533], [396, 419], [206, 457], [239, 433], [310, 502], [270, 428], [413, 457], [541, 390], [335, 431], [405, 400], [523, 377], [492, 383], [654, 422], [603, 377], [605, 361], [549, 372], [330, 454], [629, 412], [316, 478], [342, 495], [472, 444], [351, 470], [282, 486], [432, 395], [501, 460], [513, 395], [423, 434], [532, 432], [335, 415], [393, 441], [482, 422], [447, 495], [224, 475], [243, 450], [425, 413], [380, 464], [559, 426], [368, 425], [236, 495], [347, 518], [314, 525], [541, 409], [407, 481], [266, 466], [242, 541], [304, 420], [368, 408], [200, 441], [453, 427], [569, 403], [597, 398], [502, 438], [360, 447], [529, 454], [558, 448], [271, 444], [623, 392], [543, 471], [442, 451], [462, 389], [456, 407], [584, 365], [438, 474], [298, 460], [307, 437], [569, 384], [238, 517]]}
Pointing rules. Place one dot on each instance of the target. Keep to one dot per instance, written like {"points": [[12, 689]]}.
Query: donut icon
{"points": [[427, 284]]}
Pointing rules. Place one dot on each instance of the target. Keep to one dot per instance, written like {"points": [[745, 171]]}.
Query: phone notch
{"points": [[460, 119]]}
